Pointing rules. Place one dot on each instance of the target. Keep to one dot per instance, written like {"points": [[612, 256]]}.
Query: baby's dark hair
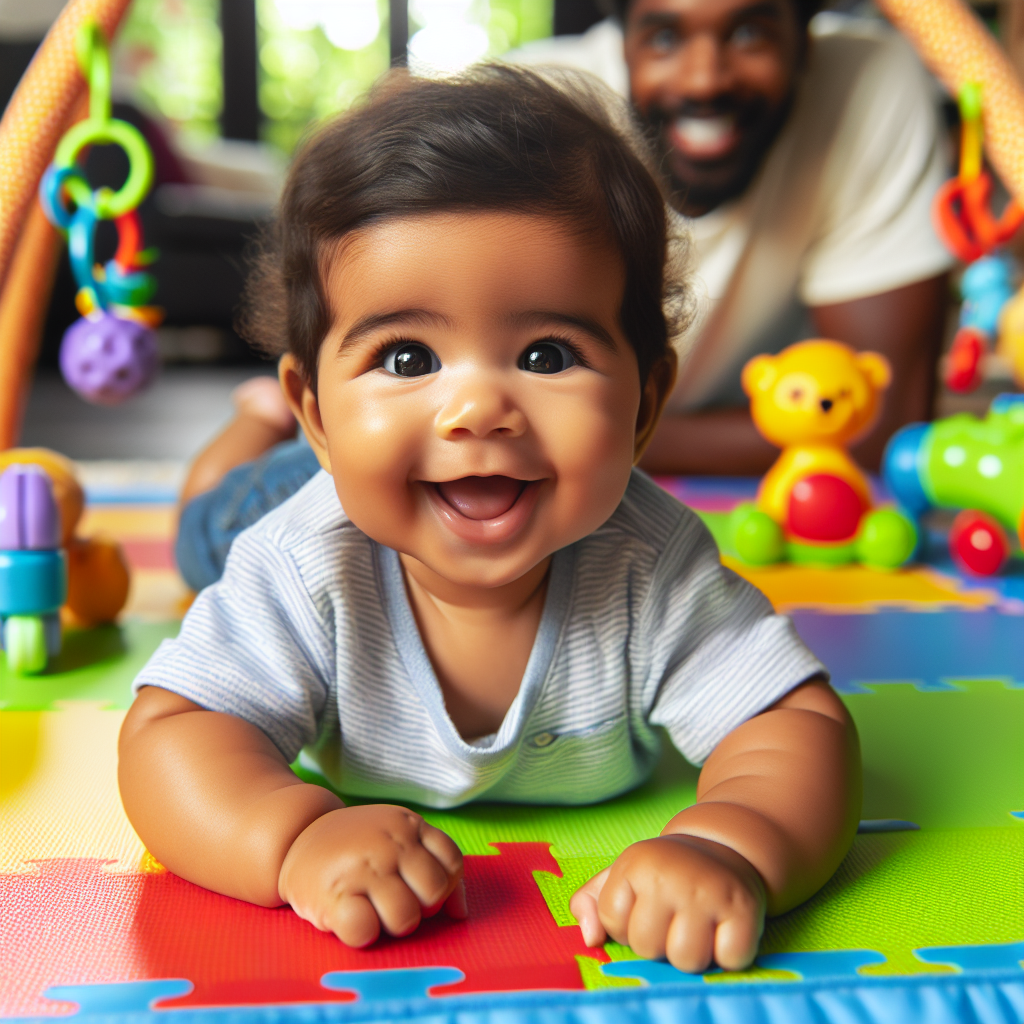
{"points": [[498, 138]]}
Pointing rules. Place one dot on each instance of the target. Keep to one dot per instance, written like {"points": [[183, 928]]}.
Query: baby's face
{"points": [[477, 399]]}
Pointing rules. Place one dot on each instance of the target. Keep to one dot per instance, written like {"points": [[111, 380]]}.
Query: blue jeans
{"points": [[211, 521]]}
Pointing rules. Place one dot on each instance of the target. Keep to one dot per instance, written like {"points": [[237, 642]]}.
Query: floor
{"points": [[173, 420]]}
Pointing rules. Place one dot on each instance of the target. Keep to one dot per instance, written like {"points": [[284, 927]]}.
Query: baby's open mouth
{"points": [[482, 497]]}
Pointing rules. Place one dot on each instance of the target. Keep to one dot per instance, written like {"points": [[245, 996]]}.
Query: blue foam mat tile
{"points": [[811, 966], [990, 957], [395, 983], [119, 997], [832, 963], [930, 650]]}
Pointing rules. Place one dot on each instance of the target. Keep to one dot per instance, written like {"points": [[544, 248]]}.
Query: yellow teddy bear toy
{"points": [[814, 505]]}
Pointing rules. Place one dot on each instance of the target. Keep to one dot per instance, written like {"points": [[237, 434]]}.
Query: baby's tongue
{"points": [[481, 497]]}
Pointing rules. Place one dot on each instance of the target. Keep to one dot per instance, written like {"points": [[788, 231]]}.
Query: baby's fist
{"points": [[357, 869], [687, 899]]}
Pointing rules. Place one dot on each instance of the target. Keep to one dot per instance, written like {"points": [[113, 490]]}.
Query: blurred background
{"points": [[224, 91]]}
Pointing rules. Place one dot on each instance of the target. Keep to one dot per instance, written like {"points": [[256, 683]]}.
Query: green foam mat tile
{"points": [[96, 665]]}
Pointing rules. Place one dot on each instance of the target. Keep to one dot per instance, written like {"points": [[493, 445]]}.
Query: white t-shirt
{"points": [[309, 635], [839, 210]]}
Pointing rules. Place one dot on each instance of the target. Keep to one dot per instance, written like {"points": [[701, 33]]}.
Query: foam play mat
{"points": [[923, 921]]}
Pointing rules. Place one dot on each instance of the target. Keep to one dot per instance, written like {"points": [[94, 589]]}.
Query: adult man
{"points": [[807, 161]]}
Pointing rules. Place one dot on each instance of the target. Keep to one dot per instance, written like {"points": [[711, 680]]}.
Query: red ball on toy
{"points": [[823, 507], [978, 543]]}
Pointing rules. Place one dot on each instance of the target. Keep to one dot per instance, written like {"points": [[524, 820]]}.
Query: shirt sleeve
{"points": [[252, 645], [718, 655], [880, 180]]}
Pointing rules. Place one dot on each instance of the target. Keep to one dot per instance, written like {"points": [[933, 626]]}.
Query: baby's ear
{"points": [[876, 368], [303, 403], [660, 380], [759, 374]]}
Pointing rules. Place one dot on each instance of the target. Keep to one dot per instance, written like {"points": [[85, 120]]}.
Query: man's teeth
{"points": [[705, 132]]}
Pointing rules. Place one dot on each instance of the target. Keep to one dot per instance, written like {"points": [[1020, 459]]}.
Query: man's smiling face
{"points": [[714, 80]]}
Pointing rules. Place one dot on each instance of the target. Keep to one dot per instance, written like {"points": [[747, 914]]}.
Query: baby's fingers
{"points": [[736, 940], [436, 842], [423, 873], [690, 942], [397, 907], [583, 906], [354, 921]]}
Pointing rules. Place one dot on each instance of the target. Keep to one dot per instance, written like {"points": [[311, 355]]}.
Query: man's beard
{"points": [[698, 186]]}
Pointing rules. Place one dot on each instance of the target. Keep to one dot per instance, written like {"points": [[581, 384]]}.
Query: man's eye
{"points": [[411, 360], [663, 40], [748, 35], [546, 357]]}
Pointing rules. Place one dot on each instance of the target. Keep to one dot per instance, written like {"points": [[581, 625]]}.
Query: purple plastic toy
{"points": [[29, 520], [33, 569], [108, 359]]}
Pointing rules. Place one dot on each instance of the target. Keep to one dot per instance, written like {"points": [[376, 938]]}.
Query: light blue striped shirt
{"points": [[309, 635]]}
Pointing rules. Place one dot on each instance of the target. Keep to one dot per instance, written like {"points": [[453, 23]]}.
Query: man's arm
{"points": [[905, 325]]}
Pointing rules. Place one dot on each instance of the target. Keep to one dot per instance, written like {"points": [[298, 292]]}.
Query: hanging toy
{"points": [[964, 221], [111, 353]]}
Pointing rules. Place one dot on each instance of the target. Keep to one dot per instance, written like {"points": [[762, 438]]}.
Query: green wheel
{"points": [[25, 643], [756, 538], [886, 539]]}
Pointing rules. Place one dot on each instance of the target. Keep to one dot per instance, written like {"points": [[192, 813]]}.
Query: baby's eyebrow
{"points": [[544, 317], [375, 321]]}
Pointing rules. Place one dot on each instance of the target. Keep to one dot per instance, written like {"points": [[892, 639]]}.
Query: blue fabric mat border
{"points": [[970, 997]]}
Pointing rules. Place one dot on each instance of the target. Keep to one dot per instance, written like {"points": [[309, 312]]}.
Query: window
{"points": [[315, 56]]}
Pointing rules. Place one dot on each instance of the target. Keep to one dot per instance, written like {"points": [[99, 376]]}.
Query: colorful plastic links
{"points": [[111, 353], [964, 221], [33, 569]]}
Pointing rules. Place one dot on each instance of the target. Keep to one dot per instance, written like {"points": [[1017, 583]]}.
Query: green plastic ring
{"points": [[140, 165]]}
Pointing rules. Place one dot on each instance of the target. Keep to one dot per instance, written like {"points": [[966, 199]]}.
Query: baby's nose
{"points": [[826, 404]]}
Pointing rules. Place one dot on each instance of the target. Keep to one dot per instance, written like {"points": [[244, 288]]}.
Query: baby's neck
{"points": [[478, 640]]}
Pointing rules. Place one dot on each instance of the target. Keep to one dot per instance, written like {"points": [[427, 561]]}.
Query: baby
{"points": [[479, 598]]}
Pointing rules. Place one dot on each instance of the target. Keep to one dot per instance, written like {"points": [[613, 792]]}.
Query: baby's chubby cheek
{"points": [[591, 452], [372, 456]]}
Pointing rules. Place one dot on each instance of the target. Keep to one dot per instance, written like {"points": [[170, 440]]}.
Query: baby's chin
{"points": [[483, 570]]}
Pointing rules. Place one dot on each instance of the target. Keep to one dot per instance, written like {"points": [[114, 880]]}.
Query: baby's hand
{"points": [[357, 869], [688, 899]]}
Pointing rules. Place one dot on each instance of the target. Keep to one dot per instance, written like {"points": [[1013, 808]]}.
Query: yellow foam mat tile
{"points": [[854, 588], [58, 789]]}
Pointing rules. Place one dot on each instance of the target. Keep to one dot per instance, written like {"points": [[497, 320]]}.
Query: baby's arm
{"points": [[214, 800], [777, 807]]}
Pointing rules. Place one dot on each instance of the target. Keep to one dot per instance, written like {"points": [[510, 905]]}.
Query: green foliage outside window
{"points": [[168, 53], [304, 77]]}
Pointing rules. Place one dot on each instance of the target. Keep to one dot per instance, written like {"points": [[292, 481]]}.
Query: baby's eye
{"points": [[411, 359], [546, 357]]}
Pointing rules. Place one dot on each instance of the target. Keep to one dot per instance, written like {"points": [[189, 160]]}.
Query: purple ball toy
{"points": [[109, 359]]}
